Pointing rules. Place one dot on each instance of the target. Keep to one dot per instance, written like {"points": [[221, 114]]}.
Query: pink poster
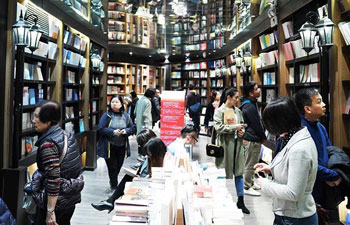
{"points": [[172, 117]]}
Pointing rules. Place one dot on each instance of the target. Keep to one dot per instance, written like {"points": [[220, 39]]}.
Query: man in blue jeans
{"points": [[312, 108]]}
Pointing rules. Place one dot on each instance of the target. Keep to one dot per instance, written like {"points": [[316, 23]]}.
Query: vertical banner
{"points": [[172, 115]]}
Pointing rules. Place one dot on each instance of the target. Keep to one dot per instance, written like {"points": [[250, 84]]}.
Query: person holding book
{"points": [[115, 126], [209, 112], [57, 183], [254, 135], [229, 125], [293, 169], [312, 108], [142, 170]]}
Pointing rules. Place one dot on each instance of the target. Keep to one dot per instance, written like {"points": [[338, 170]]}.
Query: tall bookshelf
{"points": [[96, 88], [73, 84]]}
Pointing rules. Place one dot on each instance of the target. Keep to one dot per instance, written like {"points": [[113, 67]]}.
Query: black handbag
{"points": [[214, 150]]}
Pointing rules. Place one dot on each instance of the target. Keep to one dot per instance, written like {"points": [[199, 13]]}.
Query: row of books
{"points": [[96, 80], [218, 83], [195, 66], [115, 80], [218, 72], [69, 112], [45, 50], [267, 40], [70, 77], [113, 90], [70, 128], [28, 145], [175, 83], [220, 63], [197, 37], [196, 74], [116, 36], [116, 15], [27, 119], [74, 40], [116, 69], [32, 96], [115, 6], [309, 73], [72, 94], [293, 49], [266, 59], [116, 26], [269, 78], [73, 58], [176, 74], [196, 47], [80, 6], [270, 95], [33, 72]]}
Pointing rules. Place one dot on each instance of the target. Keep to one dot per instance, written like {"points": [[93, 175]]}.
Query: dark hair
{"points": [[143, 137], [213, 96], [149, 93], [280, 116], [231, 91], [50, 111], [248, 88], [121, 102], [133, 94], [190, 86], [188, 129], [303, 98], [156, 150]]}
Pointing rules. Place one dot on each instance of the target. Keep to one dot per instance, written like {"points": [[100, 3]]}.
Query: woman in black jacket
{"points": [[209, 112]]}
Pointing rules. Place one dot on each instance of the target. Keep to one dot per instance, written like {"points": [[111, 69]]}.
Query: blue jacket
{"points": [[103, 145], [6, 217], [319, 135]]}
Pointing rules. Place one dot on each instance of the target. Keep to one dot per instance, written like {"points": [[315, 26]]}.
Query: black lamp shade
{"points": [[20, 32], [34, 36], [325, 29], [308, 33]]}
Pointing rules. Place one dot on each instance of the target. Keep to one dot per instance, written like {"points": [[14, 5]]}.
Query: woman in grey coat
{"points": [[230, 133], [294, 167]]}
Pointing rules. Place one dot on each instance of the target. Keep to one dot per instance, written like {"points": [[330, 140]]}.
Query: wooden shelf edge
{"points": [[27, 160], [303, 59]]}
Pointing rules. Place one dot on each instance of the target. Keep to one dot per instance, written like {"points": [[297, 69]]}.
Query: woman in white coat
{"points": [[293, 169]]}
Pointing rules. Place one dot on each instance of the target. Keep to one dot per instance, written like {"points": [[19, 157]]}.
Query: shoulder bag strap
{"points": [[213, 136], [64, 148]]}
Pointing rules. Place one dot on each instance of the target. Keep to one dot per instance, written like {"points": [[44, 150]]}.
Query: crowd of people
{"points": [[299, 178]]}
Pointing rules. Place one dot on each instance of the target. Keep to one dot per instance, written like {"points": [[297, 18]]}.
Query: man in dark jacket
{"points": [[6, 217], [312, 108], [155, 107], [254, 135], [192, 99]]}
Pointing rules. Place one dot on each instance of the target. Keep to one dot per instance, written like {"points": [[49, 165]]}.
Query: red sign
{"points": [[172, 115]]}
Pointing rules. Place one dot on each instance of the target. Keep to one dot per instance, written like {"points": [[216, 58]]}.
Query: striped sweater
{"points": [[49, 165]]}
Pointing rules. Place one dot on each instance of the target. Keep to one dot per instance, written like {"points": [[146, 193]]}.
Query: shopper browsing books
{"points": [[254, 135], [57, 183], [228, 122], [115, 126], [293, 169], [143, 111], [312, 108], [193, 104]]}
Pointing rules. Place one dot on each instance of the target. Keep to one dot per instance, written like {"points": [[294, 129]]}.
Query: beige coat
{"points": [[226, 139]]}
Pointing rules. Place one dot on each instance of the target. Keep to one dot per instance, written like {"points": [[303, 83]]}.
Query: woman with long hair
{"points": [[228, 123]]}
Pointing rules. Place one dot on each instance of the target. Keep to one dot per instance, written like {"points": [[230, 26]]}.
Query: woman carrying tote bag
{"points": [[228, 122]]}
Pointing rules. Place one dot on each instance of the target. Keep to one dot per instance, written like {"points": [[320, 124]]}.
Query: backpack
{"points": [[195, 108]]}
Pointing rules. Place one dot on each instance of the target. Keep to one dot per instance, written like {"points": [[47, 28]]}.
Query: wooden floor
{"points": [[96, 189]]}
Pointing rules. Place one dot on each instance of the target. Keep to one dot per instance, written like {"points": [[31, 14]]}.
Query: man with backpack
{"points": [[254, 136], [193, 104]]}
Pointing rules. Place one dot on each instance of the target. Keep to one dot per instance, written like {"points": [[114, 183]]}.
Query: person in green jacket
{"points": [[229, 125]]}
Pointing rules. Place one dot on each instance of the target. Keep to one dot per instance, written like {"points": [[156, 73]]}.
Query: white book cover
{"points": [[25, 96]]}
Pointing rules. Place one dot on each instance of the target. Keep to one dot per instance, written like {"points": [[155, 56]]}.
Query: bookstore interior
{"points": [[82, 52]]}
